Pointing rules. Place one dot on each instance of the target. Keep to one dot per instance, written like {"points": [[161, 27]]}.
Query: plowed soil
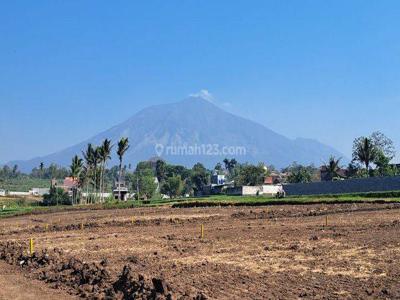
{"points": [[277, 252]]}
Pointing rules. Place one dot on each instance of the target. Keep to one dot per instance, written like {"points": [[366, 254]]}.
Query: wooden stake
{"points": [[46, 227], [82, 226], [31, 249], [133, 220], [326, 220]]}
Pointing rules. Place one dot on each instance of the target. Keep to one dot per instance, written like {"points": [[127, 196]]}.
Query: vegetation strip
{"points": [[19, 208], [279, 202]]}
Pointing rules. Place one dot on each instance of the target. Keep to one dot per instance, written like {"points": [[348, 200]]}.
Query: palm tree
{"points": [[230, 164], [364, 151], [105, 154], [97, 170], [89, 157], [123, 146], [332, 167], [41, 167], [83, 179], [76, 169]]}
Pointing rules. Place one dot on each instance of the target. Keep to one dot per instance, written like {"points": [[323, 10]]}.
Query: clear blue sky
{"points": [[328, 70]]}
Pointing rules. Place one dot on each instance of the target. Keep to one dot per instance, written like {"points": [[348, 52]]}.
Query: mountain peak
{"points": [[196, 100], [197, 122]]}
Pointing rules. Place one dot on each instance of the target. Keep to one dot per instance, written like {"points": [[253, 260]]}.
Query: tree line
{"points": [[371, 156]]}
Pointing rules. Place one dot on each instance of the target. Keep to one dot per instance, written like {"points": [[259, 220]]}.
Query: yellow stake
{"points": [[46, 227], [31, 250], [133, 220], [82, 226], [202, 231]]}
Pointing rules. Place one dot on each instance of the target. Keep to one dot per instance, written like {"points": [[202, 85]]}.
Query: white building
{"points": [[39, 191]]}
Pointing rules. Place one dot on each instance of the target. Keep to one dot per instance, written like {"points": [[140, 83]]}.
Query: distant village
{"points": [[89, 180]]}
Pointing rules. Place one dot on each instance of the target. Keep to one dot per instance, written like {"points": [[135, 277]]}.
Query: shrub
{"points": [[57, 196]]}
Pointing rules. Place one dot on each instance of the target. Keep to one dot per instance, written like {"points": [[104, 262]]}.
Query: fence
{"points": [[361, 185]]}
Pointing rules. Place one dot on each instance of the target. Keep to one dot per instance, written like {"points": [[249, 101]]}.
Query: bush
{"points": [[57, 196]]}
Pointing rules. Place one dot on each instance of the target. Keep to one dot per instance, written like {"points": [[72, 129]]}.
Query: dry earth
{"points": [[274, 252]]}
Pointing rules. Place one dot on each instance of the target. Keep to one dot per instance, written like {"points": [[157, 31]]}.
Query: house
{"points": [[274, 178], [269, 180], [120, 188], [69, 185], [325, 176], [218, 186], [217, 179]]}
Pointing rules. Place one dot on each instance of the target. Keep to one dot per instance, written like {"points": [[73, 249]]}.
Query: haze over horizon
{"points": [[69, 70]]}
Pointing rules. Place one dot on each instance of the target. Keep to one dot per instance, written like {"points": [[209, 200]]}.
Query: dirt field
{"points": [[274, 252]]}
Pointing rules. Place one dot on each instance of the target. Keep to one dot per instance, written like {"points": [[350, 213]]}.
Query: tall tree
{"points": [[333, 167], [230, 164], [364, 151], [199, 177], [143, 183], [105, 155], [251, 175], [383, 167], [377, 149], [299, 173], [15, 171], [218, 168], [123, 146], [41, 168], [76, 169], [97, 163], [89, 157], [160, 170], [383, 144], [173, 186]]}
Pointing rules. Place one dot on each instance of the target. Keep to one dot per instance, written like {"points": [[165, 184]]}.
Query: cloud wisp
{"points": [[204, 94]]}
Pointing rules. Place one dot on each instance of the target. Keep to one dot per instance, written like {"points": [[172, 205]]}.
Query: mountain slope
{"points": [[196, 130]]}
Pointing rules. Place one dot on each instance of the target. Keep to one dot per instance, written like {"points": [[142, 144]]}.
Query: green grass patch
{"points": [[21, 207], [258, 201], [23, 184], [389, 194]]}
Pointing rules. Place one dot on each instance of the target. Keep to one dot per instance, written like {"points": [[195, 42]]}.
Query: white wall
{"points": [[105, 195], [251, 190], [19, 193], [271, 189], [39, 191]]}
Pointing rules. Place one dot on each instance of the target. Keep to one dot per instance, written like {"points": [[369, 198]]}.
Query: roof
{"points": [[70, 182], [268, 180]]}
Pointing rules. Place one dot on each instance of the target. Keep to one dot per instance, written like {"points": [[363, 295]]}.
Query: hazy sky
{"points": [[328, 70]]}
